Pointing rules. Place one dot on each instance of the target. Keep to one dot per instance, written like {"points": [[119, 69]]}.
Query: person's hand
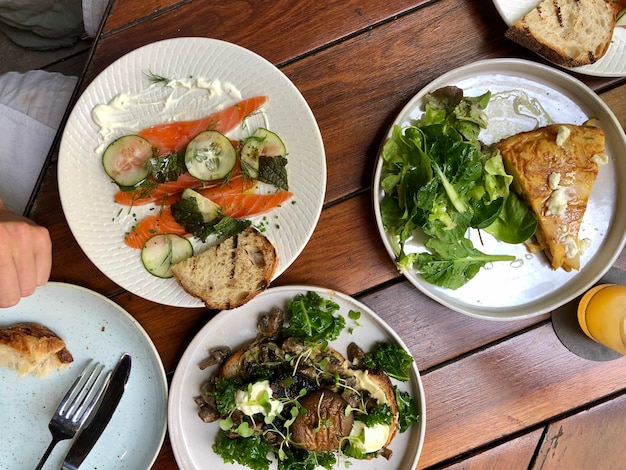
{"points": [[25, 256]]}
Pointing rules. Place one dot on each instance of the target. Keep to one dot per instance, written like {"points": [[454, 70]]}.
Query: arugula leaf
{"points": [[390, 358], [312, 318], [407, 410], [451, 263], [250, 451]]}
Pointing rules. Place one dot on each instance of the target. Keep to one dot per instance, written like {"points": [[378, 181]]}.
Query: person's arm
{"points": [[25, 256]]}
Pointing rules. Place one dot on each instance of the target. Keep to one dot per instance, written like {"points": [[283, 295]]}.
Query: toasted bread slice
{"points": [[31, 348], [231, 273], [567, 32], [554, 169], [379, 387]]}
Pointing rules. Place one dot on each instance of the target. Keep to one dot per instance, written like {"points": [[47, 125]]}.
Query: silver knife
{"points": [[92, 431]]}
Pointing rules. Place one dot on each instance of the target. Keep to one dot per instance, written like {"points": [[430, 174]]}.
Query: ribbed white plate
{"points": [[93, 327], [613, 64], [526, 95], [192, 439], [99, 224]]}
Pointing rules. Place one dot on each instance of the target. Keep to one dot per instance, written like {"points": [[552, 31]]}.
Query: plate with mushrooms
{"points": [[299, 374]]}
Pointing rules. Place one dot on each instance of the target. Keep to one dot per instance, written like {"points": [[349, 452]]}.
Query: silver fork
{"points": [[76, 406]]}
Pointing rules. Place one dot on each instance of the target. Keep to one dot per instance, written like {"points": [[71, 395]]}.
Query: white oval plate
{"points": [[528, 286], [93, 327], [192, 439], [99, 224], [613, 64]]}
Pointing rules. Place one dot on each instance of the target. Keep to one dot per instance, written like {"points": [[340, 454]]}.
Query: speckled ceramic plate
{"points": [[613, 64], [526, 95], [99, 224], [93, 327], [191, 438]]}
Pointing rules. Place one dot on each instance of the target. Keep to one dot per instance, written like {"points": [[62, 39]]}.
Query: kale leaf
{"points": [[250, 451], [408, 413], [224, 394], [379, 414], [312, 318], [390, 358], [297, 459]]}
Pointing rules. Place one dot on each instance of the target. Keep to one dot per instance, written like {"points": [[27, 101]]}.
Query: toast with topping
{"points": [[231, 273], [567, 32]]}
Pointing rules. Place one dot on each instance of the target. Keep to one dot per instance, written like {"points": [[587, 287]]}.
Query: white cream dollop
{"points": [[372, 438], [258, 399], [161, 102]]}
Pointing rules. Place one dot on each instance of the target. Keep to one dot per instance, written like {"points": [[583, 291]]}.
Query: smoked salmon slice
{"points": [[174, 136], [248, 204], [169, 192], [234, 204], [163, 222], [158, 194]]}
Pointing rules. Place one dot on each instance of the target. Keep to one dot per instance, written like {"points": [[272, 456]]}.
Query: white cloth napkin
{"points": [[31, 108], [93, 11]]}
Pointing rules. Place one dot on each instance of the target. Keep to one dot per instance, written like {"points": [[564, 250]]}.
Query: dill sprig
{"points": [[154, 78]]}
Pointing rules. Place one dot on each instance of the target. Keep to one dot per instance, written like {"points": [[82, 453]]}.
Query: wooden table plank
{"points": [[296, 28], [433, 333], [513, 455], [507, 388], [590, 439], [615, 99], [124, 14]]}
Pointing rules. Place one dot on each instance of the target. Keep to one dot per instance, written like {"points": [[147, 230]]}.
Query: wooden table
{"points": [[499, 394]]}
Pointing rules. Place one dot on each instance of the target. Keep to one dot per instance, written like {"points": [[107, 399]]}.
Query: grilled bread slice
{"points": [[554, 169], [231, 273], [32, 348], [567, 32]]}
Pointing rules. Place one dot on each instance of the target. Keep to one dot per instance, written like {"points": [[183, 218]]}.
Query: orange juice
{"points": [[602, 315]]}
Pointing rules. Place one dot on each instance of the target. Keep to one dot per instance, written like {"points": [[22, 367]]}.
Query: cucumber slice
{"points": [[124, 160], [161, 251], [262, 142], [210, 156], [209, 209]]}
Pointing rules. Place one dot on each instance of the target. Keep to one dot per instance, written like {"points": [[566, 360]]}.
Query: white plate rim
{"points": [[116, 313], [202, 341], [299, 217], [498, 66]]}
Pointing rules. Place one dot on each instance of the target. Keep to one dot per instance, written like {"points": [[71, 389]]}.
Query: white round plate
{"points": [[99, 224], [612, 64], [526, 95], [93, 327], [192, 439]]}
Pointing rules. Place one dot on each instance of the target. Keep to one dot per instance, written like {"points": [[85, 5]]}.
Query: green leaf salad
{"points": [[438, 178]]}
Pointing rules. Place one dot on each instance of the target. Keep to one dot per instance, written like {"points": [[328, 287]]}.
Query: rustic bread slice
{"points": [[567, 32], [231, 273], [554, 169], [31, 348]]}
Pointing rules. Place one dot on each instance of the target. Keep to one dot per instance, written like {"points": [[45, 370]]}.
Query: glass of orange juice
{"points": [[602, 315]]}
